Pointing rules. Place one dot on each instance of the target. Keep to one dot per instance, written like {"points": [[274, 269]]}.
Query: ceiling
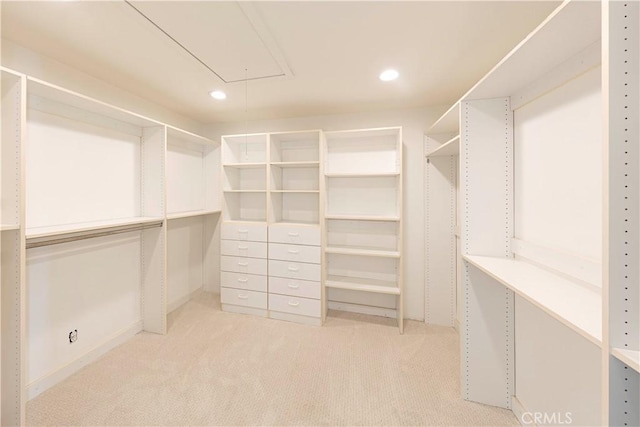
{"points": [[277, 59]]}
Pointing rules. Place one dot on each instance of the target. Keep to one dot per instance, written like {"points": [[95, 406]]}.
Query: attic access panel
{"points": [[228, 38]]}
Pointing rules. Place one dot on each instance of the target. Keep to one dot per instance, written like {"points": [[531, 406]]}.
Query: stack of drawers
{"points": [[243, 265], [294, 273], [279, 279]]}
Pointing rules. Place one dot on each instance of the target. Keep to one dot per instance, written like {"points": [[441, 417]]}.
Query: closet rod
{"points": [[119, 230]]}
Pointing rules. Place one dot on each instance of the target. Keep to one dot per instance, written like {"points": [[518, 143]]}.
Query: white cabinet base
{"points": [[244, 310], [313, 321]]}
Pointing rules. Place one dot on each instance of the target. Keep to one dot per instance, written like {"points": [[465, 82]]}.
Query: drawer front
{"points": [[294, 287], [250, 232], [243, 298], [243, 248], [294, 305], [295, 235], [294, 270], [299, 253], [249, 282], [244, 265]]}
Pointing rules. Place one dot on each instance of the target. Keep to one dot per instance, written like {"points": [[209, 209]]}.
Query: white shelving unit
{"points": [[271, 230], [193, 213], [87, 192], [363, 211], [559, 318], [12, 250]]}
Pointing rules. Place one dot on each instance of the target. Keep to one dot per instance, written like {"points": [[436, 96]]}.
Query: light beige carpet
{"points": [[216, 368]]}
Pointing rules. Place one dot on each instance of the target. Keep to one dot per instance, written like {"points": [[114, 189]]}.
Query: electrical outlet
{"points": [[73, 336]]}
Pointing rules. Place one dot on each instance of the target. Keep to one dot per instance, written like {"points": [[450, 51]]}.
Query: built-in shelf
{"points": [[360, 175], [296, 191], [244, 165], [296, 164], [449, 122], [365, 285], [629, 357], [188, 214], [58, 230], [449, 148], [362, 251], [291, 222], [7, 227], [572, 303], [362, 217], [245, 191]]}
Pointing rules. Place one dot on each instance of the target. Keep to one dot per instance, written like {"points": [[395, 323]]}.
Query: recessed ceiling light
{"points": [[389, 75], [218, 94]]}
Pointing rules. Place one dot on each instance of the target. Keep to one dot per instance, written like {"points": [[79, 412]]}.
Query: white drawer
{"points": [[244, 265], [299, 253], [295, 235], [294, 270], [244, 248], [243, 298], [250, 282], [294, 287], [251, 232], [294, 305]]}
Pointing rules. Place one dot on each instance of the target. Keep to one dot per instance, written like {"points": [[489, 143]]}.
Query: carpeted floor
{"points": [[216, 368]]}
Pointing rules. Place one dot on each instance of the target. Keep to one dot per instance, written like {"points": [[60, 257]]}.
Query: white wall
{"points": [[26, 61], [414, 123]]}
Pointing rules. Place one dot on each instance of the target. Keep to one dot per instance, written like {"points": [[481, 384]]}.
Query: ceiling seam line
{"points": [[176, 42]]}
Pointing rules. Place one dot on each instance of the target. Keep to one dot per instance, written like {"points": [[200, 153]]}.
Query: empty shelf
{"points": [[360, 174], [296, 191], [245, 191], [58, 230], [449, 148], [363, 217], [629, 357], [7, 227], [448, 122], [362, 251], [571, 303], [244, 165], [312, 164], [364, 285], [187, 214]]}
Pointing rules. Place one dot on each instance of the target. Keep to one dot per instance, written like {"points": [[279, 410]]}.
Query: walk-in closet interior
{"points": [[303, 213]]}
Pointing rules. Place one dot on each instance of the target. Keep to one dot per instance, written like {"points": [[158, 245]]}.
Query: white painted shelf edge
{"points": [[8, 227], [362, 218], [309, 164], [629, 357], [296, 191], [188, 214], [56, 230], [347, 250], [244, 191], [448, 122], [244, 165], [449, 148], [364, 285], [360, 175], [287, 223], [569, 302]]}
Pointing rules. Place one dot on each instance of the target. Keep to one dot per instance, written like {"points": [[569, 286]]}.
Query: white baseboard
{"points": [[519, 410], [182, 300], [46, 382], [363, 309], [306, 320]]}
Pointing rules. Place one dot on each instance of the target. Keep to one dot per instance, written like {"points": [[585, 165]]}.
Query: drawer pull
{"points": [[294, 304], [243, 264], [243, 279], [243, 296], [295, 269], [293, 251], [242, 248], [293, 285], [294, 234]]}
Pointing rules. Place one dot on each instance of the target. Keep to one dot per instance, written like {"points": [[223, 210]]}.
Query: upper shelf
{"points": [[574, 305], [188, 214], [184, 136], [59, 230], [449, 148], [544, 49]]}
